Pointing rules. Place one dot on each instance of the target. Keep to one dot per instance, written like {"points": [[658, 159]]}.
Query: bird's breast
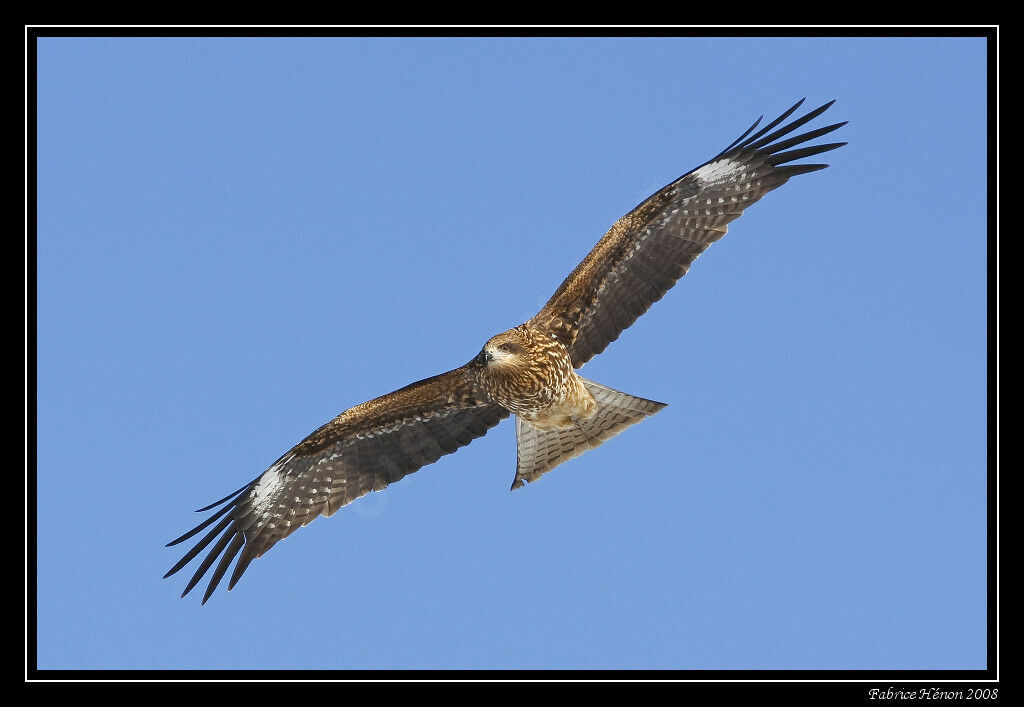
{"points": [[547, 393], [575, 405]]}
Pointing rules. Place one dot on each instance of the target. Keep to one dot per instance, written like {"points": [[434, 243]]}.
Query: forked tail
{"points": [[540, 451]]}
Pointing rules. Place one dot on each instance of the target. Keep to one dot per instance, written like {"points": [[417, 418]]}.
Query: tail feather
{"points": [[540, 451]]}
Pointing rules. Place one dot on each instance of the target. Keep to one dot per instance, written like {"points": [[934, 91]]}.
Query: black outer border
{"points": [[824, 687]]}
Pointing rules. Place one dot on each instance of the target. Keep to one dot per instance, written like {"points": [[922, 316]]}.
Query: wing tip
{"points": [[799, 169], [761, 141]]}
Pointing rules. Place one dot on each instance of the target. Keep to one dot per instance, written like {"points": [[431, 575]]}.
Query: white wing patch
{"points": [[718, 170], [267, 489]]}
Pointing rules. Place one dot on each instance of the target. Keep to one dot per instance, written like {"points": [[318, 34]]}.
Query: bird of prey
{"points": [[528, 371]]}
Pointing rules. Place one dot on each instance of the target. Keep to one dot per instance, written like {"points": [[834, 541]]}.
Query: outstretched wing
{"points": [[364, 449], [646, 251]]}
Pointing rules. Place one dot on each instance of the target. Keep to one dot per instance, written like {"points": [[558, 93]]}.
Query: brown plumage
{"points": [[528, 371]]}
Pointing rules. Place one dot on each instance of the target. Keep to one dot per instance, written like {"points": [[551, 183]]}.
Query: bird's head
{"points": [[507, 349]]}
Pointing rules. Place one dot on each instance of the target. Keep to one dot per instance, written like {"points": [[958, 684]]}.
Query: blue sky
{"points": [[240, 238]]}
